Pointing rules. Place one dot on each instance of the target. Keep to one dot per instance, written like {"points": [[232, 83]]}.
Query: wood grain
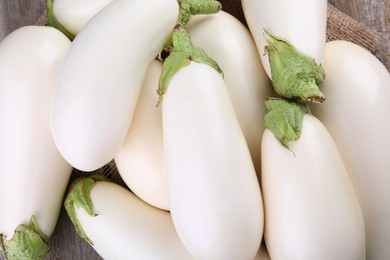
{"points": [[376, 15], [15, 13]]}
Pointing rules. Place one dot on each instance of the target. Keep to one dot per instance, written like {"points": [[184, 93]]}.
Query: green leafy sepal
{"points": [[183, 51], [284, 119], [79, 196], [28, 242], [295, 75]]}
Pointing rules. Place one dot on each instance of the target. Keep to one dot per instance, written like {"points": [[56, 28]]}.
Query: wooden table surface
{"points": [[15, 13]]}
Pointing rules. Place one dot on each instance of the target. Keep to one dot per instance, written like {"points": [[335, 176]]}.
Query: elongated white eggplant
{"points": [[231, 45], [311, 209], [102, 75], [214, 195], [119, 225], [356, 114], [33, 174], [140, 160], [212, 184]]}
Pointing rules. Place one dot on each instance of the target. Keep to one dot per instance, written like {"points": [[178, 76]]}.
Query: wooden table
{"points": [[15, 13]]}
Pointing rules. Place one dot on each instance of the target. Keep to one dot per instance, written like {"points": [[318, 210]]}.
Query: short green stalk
{"points": [[194, 7], [53, 22]]}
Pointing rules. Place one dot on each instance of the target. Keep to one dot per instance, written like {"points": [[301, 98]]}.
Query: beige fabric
{"points": [[43, 19], [343, 27]]}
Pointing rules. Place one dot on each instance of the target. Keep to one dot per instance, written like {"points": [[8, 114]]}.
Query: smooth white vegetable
{"points": [[301, 22], [140, 161], [74, 14], [33, 174], [357, 87], [231, 45], [102, 75], [214, 195], [311, 210], [127, 228]]}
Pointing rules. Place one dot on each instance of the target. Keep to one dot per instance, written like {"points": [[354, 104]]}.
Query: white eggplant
{"points": [[214, 195], [120, 226], [357, 87], [74, 14], [311, 209], [231, 45], [102, 75], [140, 161], [33, 174], [301, 22]]}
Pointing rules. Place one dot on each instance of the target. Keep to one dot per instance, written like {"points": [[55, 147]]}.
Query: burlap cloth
{"points": [[339, 27]]}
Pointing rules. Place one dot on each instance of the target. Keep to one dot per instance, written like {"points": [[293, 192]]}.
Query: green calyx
{"points": [[194, 7], [179, 45], [53, 22], [284, 119], [79, 196], [28, 242], [182, 51], [295, 75]]}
